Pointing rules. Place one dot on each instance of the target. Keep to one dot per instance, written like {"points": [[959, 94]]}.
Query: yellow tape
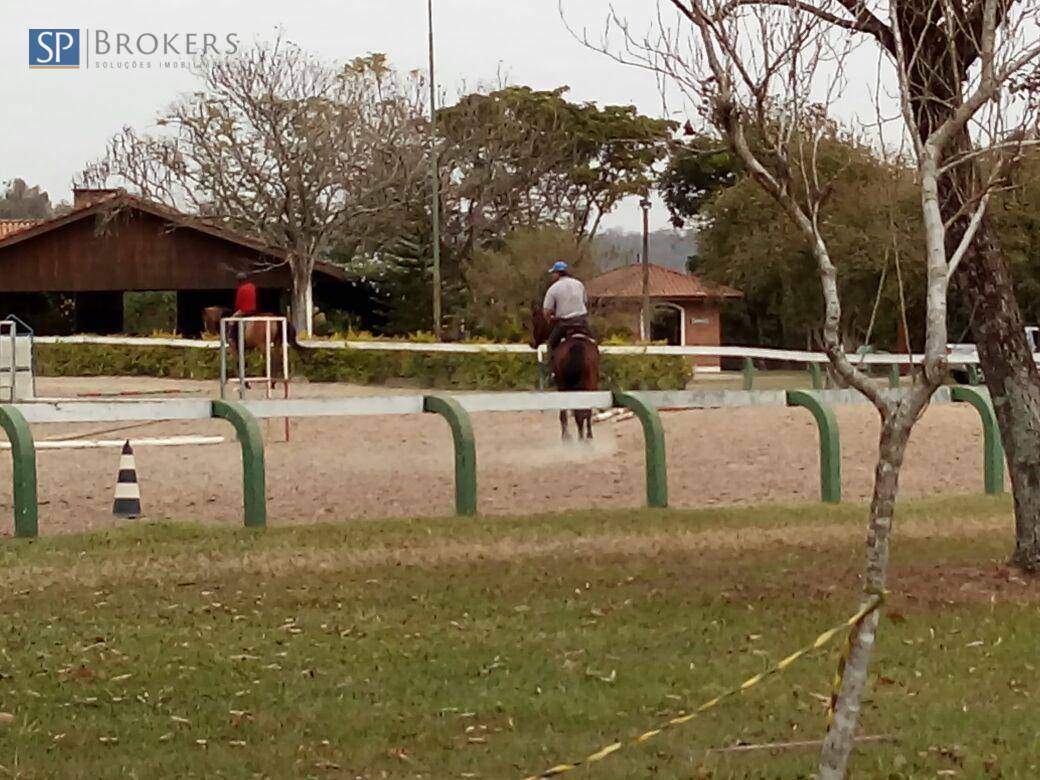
{"points": [[849, 626]]}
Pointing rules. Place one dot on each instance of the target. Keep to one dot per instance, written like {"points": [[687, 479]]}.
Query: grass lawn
{"points": [[495, 648]]}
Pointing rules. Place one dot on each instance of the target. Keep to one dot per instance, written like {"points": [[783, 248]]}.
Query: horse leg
{"points": [[564, 434], [583, 417]]}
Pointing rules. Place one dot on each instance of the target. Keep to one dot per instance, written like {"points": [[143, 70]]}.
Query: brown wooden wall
{"points": [[135, 251]]}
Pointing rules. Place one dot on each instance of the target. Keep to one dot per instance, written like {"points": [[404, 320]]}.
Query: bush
{"points": [[448, 370]]}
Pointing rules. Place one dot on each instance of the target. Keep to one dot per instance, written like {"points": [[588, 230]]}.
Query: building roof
{"points": [[665, 284], [8, 226], [16, 231]]}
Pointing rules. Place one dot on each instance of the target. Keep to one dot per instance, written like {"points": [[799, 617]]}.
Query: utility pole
{"points": [[644, 315], [436, 184]]}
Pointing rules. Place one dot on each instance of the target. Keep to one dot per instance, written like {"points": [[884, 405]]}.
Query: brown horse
{"points": [[255, 333], [575, 364]]}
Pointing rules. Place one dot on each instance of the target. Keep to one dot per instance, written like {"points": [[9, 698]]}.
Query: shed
{"points": [[686, 309], [69, 273]]}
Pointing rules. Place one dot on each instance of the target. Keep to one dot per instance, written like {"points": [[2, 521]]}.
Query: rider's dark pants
{"points": [[562, 327]]}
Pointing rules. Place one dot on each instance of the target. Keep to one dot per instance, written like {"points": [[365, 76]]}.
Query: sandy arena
{"points": [[340, 468]]}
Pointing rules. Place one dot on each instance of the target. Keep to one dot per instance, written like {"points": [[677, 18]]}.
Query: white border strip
{"points": [[114, 411], [534, 401], [332, 407]]}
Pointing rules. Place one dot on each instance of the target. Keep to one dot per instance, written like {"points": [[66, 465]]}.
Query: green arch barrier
{"points": [[254, 479], [465, 450], [653, 434], [23, 455], [830, 442], [992, 446]]}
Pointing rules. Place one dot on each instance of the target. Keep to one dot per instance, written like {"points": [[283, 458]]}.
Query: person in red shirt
{"points": [[245, 297]]}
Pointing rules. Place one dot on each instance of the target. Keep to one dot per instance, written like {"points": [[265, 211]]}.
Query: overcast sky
{"points": [[54, 121]]}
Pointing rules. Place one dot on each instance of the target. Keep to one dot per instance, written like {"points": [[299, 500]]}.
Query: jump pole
{"points": [[268, 379], [285, 370], [241, 363], [223, 358]]}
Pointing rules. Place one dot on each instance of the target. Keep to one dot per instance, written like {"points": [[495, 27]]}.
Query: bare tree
{"points": [[764, 75], [949, 43], [284, 147]]}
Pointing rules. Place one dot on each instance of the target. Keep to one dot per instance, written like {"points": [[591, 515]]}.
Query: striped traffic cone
{"points": [[128, 492]]}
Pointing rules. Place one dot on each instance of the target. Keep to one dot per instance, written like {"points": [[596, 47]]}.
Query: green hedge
{"points": [[461, 371]]}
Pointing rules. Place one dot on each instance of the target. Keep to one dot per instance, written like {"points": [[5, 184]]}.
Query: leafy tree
{"points": [[20, 201], [504, 282], [1016, 220], [519, 157], [515, 159], [696, 171], [745, 241]]}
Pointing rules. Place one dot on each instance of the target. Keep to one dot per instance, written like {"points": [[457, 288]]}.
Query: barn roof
{"points": [[8, 226], [627, 283], [17, 231]]}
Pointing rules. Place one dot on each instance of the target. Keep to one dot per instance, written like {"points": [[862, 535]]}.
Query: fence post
{"points": [[653, 434], [992, 446], [817, 376], [23, 455], [254, 479], [749, 374], [830, 443], [893, 376], [465, 450]]}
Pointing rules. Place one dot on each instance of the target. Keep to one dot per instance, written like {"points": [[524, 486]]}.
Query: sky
{"points": [[54, 121]]}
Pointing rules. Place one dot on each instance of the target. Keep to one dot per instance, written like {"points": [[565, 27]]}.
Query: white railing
{"points": [[755, 353], [49, 411]]}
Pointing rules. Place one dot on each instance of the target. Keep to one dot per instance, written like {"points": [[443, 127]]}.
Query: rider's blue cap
{"points": [[558, 267]]}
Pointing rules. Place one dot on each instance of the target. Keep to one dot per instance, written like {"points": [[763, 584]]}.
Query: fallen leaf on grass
{"points": [[6, 717], [610, 678]]}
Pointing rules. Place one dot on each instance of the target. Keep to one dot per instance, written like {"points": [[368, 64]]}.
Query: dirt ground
{"points": [[338, 469]]}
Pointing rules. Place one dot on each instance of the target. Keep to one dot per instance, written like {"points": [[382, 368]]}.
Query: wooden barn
{"points": [[69, 274]]}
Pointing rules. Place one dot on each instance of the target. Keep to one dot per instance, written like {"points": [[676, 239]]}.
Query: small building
{"points": [[69, 274], [686, 309]]}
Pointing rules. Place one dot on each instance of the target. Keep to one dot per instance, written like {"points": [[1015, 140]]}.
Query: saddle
{"points": [[578, 331]]}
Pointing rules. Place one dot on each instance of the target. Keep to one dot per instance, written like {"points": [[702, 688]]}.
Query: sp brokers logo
{"points": [[54, 48]]}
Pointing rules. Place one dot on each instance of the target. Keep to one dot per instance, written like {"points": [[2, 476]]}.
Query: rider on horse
{"points": [[566, 306]]}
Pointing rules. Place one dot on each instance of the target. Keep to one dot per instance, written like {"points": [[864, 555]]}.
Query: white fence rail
{"points": [[755, 353], [176, 409]]}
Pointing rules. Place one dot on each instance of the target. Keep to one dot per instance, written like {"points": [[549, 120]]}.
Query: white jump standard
{"points": [[269, 380]]}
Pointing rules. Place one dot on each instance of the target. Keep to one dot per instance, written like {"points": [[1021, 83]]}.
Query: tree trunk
{"points": [[301, 270], [837, 746], [1013, 381], [984, 280]]}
